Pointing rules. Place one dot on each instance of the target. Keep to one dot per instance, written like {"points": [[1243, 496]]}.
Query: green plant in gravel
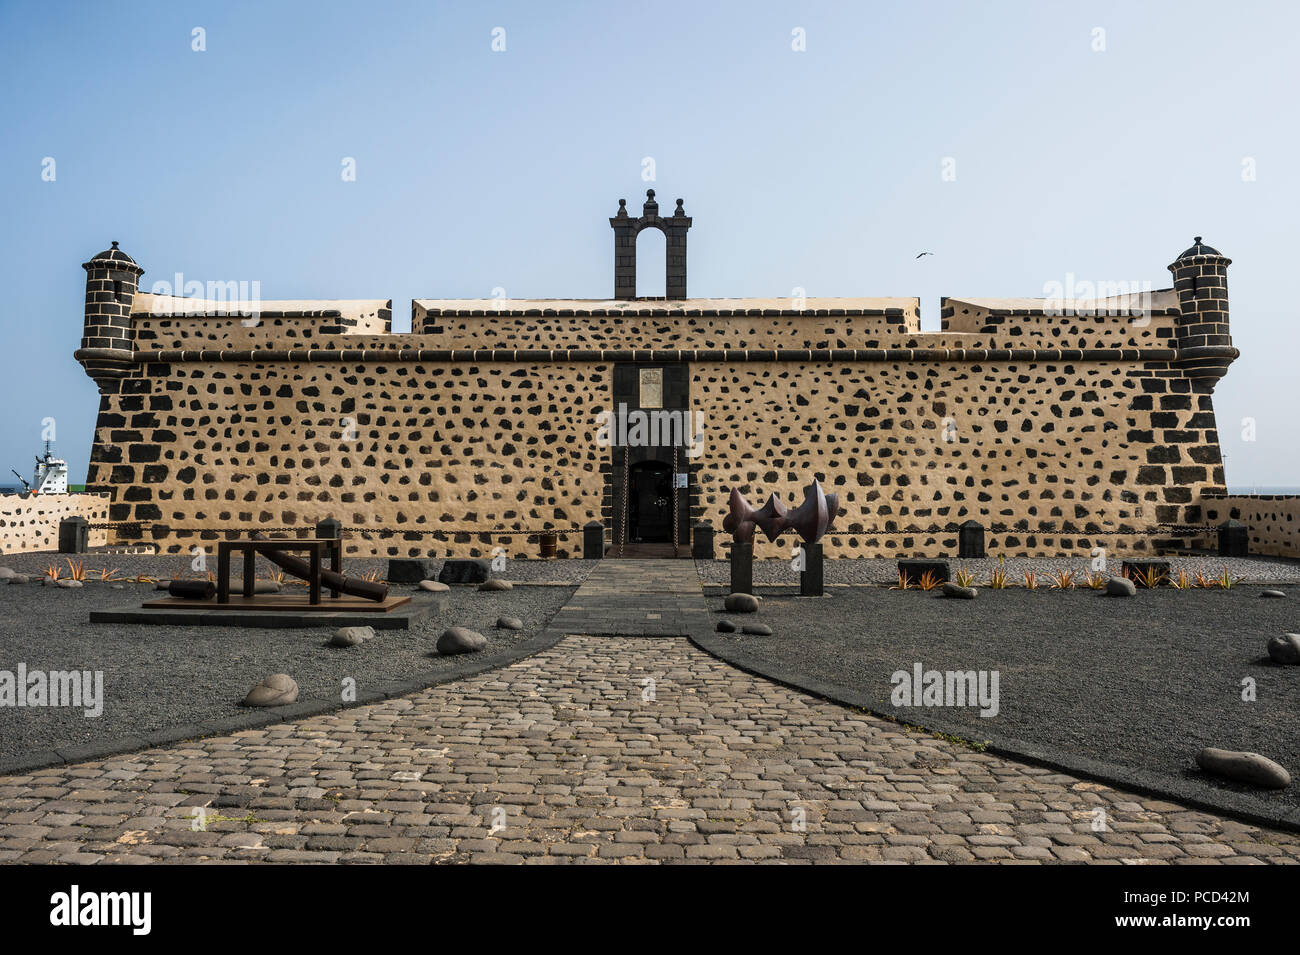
{"points": [[1181, 582], [998, 579], [963, 578], [1149, 578], [1227, 581]]}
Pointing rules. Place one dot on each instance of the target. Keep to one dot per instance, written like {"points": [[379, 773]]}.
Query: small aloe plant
{"points": [[1227, 581]]}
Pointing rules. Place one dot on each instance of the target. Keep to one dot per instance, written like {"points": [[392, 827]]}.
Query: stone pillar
{"points": [[74, 535], [625, 230], [811, 578], [1234, 539], [329, 529], [674, 229], [970, 539], [742, 567], [702, 541], [593, 541]]}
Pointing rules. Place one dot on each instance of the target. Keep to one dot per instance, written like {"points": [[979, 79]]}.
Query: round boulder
{"points": [[1121, 587], [69, 584], [958, 591], [509, 623], [7, 572], [726, 626], [351, 636], [1250, 768], [433, 586], [459, 640], [20, 579], [741, 603], [1274, 594], [496, 583], [276, 690], [757, 629], [1285, 649]]}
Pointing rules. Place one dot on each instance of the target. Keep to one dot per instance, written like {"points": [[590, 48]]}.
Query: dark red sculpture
{"points": [[810, 520]]}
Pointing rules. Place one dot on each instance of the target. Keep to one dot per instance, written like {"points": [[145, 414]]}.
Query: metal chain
{"points": [[622, 536], [674, 493]]}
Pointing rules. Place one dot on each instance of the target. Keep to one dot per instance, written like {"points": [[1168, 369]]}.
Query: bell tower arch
{"points": [[626, 229]]}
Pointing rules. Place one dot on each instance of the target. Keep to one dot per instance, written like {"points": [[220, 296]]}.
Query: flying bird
{"points": [[925, 253]]}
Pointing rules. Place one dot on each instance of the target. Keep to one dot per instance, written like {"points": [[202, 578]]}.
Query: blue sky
{"points": [[478, 169]]}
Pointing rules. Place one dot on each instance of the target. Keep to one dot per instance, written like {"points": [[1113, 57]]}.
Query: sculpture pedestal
{"points": [[742, 567], [811, 578]]}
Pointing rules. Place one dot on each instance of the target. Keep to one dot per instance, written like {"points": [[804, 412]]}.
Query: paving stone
{"points": [[587, 767]]}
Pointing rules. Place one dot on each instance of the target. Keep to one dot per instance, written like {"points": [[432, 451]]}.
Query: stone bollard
{"points": [[702, 541], [970, 539], [812, 577], [74, 535], [593, 541], [742, 567], [329, 529], [1234, 539]]}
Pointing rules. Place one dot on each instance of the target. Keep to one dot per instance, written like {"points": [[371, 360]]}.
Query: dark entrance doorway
{"points": [[651, 505]]}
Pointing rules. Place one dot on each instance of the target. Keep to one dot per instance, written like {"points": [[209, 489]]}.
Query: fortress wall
{"points": [[1063, 457], [457, 447], [641, 330], [165, 322], [1053, 457], [29, 523], [1273, 520]]}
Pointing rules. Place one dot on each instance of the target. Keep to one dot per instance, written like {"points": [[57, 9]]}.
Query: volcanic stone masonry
{"points": [[1057, 432]]}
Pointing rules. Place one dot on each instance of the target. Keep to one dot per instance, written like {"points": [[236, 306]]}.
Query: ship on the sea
{"points": [[49, 477]]}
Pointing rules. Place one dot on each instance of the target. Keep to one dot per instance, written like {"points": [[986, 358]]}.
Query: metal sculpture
{"points": [[810, 520]]}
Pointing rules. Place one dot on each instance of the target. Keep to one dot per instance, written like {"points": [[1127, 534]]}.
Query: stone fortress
{"points": [[1057, 426]]}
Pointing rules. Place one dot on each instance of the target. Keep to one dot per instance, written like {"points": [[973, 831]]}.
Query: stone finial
{"points": [[651, 207], [622, 208], [680, 210]]}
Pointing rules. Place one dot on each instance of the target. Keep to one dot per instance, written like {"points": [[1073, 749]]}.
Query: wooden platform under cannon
{"points": [[283, 603], [278, 610]]}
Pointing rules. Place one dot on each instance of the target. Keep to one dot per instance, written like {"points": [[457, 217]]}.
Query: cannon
{"points": [[352, 586]]}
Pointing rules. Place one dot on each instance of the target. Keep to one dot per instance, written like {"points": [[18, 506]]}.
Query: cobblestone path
{"points": [[572, 756]]}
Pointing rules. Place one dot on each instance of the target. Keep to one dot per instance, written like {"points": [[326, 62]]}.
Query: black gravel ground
{"points": [[885, 571], [1142, 683], [158, 677], [178, 565]]}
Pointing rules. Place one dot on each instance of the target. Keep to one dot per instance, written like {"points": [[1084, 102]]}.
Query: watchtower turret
{"points": [[1204, 339], [108, 337]]}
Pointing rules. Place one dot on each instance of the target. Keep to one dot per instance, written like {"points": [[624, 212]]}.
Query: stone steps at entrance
{"points": [[636, 598]]}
